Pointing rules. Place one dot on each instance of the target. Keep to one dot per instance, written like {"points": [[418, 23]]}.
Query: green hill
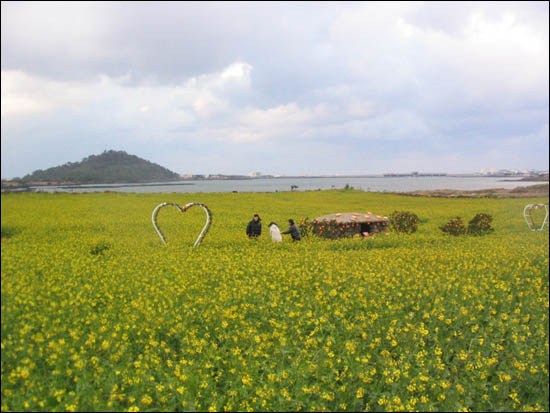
{"points": [[108, 167]]}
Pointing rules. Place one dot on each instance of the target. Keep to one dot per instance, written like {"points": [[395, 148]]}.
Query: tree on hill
{"points": [[108, 167]]}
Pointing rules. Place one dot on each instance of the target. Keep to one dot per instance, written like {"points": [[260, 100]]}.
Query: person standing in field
{"points": [[254, 227], [293, 231], [275, 232]]}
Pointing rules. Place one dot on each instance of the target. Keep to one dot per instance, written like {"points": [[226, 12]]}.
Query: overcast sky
{"points": [[281, 88]]}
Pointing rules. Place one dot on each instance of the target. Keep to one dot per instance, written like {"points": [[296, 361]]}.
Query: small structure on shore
{"points": [[349, 224]]}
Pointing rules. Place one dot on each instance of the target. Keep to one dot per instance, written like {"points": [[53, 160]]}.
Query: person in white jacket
{"points": [[275, 232]]}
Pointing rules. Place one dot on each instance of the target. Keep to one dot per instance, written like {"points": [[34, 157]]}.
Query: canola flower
{"points": [[420, 322]]}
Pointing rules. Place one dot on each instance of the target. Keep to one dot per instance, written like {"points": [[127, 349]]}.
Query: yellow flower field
{"points": [[99, 315]]}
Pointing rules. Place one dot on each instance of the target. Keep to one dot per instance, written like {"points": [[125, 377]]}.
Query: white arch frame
{"points": [[205, 229], [527, 214]]}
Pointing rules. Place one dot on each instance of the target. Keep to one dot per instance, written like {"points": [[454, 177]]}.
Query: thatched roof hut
{"points": [[349, 224]]}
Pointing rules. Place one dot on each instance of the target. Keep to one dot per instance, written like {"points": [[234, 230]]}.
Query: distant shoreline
{"points": [[539, 178], [118, 185], [531, 191], [32, 186], [536, 190], [17, 185]]}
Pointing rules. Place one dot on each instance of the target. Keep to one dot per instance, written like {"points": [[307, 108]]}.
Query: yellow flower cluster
{"points": [[416, 322]]}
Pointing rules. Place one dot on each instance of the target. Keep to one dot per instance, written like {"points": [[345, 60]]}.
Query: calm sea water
{"points": [[381, 184]]}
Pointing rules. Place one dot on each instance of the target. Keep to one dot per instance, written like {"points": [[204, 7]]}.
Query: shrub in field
{"points": [[455, 227], [404, 221], [480, 224], [99, 248], [305, 227], [8, 232]]}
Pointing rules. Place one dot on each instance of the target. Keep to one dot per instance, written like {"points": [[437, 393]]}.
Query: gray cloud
{"points": [[188, 83]]}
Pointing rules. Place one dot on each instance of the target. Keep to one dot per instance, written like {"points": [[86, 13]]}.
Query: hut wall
{"points": [[333, 229], [379, 226]]}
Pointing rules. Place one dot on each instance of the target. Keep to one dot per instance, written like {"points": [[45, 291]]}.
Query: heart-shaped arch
{"points": [[205, 229], [527, 214]]}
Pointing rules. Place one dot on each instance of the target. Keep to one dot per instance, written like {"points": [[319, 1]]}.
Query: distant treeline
{"points": [[108, 167]]}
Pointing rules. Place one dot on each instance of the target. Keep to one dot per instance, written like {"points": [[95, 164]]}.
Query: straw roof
{"points": [[349, 217]]}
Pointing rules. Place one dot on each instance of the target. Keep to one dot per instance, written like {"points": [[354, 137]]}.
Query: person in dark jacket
{"points": [[254, 227], [293, 231]]}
